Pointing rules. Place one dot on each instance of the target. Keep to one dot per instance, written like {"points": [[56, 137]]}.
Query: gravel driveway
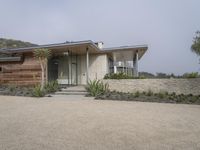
{"points": [[77, 123]]}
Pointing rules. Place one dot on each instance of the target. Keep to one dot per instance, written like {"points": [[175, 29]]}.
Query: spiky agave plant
{"points": [[42, 54], [96, 87]]}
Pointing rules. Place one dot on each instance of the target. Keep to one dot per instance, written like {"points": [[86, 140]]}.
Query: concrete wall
{"points": [[98, 67], [185, 86]]}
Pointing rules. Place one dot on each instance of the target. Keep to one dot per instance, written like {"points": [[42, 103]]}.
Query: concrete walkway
{"points": [[79, 123], [72, 90]]}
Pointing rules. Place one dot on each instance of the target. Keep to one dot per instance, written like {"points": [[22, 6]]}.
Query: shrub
{"points": [[149, 93], [192, 99], [140, 77], [191, 75], [137, 94], [161, 95], [96, 87], [121, 76], [12, 88], [37, 92], [117, 76], [144, 93], [51, 87], [166, 93]]}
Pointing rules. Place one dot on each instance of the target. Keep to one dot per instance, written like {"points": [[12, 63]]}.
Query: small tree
{"points": [[196, 44], [42, 55]]}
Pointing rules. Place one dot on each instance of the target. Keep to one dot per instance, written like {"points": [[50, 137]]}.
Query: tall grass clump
{"points": [[96, 87], [38, 92], [51, 87]]}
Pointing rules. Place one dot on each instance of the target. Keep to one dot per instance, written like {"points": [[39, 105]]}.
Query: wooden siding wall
{"points": [[24, 73]]}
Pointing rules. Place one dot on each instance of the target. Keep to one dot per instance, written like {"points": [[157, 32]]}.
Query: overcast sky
{"points": [[167, 26]]}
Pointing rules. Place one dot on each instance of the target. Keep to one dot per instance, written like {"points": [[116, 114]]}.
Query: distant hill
{"points": [[10, 43], [147, 75]]}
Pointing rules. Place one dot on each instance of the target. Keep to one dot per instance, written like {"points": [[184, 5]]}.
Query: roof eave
{"points": [[30, 49], [144, 47]]}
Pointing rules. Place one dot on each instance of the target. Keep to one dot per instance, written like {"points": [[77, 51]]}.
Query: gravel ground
{"points": [[81, 123]]}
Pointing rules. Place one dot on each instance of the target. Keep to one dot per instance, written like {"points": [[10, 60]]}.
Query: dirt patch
{"points": [[75, 123]]}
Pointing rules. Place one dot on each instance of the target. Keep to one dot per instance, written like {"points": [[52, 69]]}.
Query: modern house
{"points": [[72, 63]]}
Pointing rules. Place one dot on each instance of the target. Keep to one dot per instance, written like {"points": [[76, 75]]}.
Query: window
{"points": [[1, 69]]}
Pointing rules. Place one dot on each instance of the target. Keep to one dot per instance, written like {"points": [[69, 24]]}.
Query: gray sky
{"points": [[167, 26]]}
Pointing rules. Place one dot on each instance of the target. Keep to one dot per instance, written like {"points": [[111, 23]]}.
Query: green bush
{"points": [[191, 75], [121, 76], [12, 88], [51, 87], [149, 93], [161, 95], [96, 87], [144, 75], [37, 92], [137, 94], [117, 76]]}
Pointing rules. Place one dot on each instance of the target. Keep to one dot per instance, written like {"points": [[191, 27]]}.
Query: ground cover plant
{"points": [[13, 90], [149, 96], [36, 91]]}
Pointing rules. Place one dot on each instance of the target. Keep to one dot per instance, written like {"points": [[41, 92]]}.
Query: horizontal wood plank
{"points": [[27, 73]]}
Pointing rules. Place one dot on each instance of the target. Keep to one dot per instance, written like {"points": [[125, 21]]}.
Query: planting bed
{"points": [[162, 97], [16, 91]]}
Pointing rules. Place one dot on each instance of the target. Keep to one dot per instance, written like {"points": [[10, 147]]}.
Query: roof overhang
{"points": [[79, 47], [60, 46], [126, 53]]}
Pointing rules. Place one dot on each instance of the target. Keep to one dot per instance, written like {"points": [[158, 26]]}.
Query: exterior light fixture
{"points": [[66, 53]]}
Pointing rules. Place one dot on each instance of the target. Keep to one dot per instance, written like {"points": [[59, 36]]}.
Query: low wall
{"points": [[179, 86]]}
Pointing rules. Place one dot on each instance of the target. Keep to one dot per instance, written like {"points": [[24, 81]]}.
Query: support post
{"points": [[68, 57], [87, 65], [71, 66], [123, 66], [47, 79], [135, 65], [115, 69]]}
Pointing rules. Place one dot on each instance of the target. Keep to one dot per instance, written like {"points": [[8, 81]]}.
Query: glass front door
{"points": [[63, 68], [74, 74]]}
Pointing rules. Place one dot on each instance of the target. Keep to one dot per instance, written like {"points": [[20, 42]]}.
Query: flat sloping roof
{"points": [[57, 45], [87, 43], [125, 47]]}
